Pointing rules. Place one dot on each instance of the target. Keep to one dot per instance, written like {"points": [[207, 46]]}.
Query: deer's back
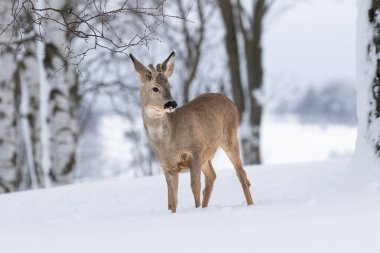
{"points": [[203, 120]]}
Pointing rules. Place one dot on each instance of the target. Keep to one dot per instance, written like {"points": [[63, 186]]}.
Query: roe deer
{"points": [[188, 136]]}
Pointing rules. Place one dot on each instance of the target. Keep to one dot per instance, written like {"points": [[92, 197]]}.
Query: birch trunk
{"points": [[38, 101], [63, 100], [29, 80], [8, 125], [11, 157], [44, 89], [26, 135], [368, 76]]}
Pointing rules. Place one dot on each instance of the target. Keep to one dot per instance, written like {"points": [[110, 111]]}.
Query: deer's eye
{"points": [[155, 89]]}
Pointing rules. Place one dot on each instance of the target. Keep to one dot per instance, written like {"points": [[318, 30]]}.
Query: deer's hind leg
{"points": [[210, 176], [230, 145]]}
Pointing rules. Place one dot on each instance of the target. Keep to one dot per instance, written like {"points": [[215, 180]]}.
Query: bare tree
{"points": [[238, 22], [232, 48], [94, 22], [252, 36], [188, 38]]}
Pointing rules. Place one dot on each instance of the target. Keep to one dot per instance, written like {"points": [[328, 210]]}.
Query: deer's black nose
{"points": [[170, 104]]}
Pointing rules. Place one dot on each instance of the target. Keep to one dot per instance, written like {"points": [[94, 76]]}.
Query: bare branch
{"points": [[97, 23]]}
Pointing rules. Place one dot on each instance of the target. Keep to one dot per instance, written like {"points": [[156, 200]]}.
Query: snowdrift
{"points": [[314, 207]]}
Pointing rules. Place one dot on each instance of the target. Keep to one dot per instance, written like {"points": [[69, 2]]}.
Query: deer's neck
{"points": [[158, 127]]}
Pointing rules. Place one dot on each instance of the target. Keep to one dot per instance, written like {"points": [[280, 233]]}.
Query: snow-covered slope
{"points": [[314, 207]]}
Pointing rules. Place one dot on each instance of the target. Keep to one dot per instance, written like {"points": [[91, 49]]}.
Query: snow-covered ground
{"points": [[311, 207], [286, 140]]}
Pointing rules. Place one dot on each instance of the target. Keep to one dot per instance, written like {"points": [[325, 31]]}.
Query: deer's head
{"points": [[156, 98]]}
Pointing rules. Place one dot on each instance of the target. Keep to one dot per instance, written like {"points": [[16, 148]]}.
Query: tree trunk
{"points": [[26, 129], [28, 74], [63, 100], [368, 74], [253, 55], [43, 98], [38, 102], [233, 54], [8, 124], [251, 36], [13, 166]]}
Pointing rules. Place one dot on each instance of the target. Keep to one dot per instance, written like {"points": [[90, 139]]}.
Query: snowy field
{"points": [[311, 207], [286, 140]]}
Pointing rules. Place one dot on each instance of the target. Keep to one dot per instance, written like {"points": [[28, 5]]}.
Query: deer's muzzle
{"points": [[170, 105]]}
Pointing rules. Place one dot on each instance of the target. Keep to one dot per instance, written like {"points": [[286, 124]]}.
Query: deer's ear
{"points": [[140, 69], [168, 65]]}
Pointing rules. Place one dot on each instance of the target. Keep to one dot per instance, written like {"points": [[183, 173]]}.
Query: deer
{"points": [[187, 137]]}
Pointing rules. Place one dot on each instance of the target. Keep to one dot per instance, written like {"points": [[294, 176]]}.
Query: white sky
{"points": [[312, 42]]}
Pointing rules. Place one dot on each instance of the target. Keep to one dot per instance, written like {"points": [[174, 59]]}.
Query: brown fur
{"points": [[189, 136]]}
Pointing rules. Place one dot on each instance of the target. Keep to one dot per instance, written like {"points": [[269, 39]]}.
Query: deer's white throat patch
{"points": [[152, 113], [155, 132]]}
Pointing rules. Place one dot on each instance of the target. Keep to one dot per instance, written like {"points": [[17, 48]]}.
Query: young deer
{"points": [[189, 136]]}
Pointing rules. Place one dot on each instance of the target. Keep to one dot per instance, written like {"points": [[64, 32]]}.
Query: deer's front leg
{"points": [[195, 174], [172, 182]]}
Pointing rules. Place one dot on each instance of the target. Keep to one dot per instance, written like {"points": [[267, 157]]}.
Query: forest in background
{"points": [[65, 66]]}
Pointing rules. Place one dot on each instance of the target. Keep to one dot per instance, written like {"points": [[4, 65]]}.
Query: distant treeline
{"points": [[333, 103]]}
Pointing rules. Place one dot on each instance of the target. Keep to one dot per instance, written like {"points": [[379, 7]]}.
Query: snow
{"points": [[329, 206], [285, 140]]}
